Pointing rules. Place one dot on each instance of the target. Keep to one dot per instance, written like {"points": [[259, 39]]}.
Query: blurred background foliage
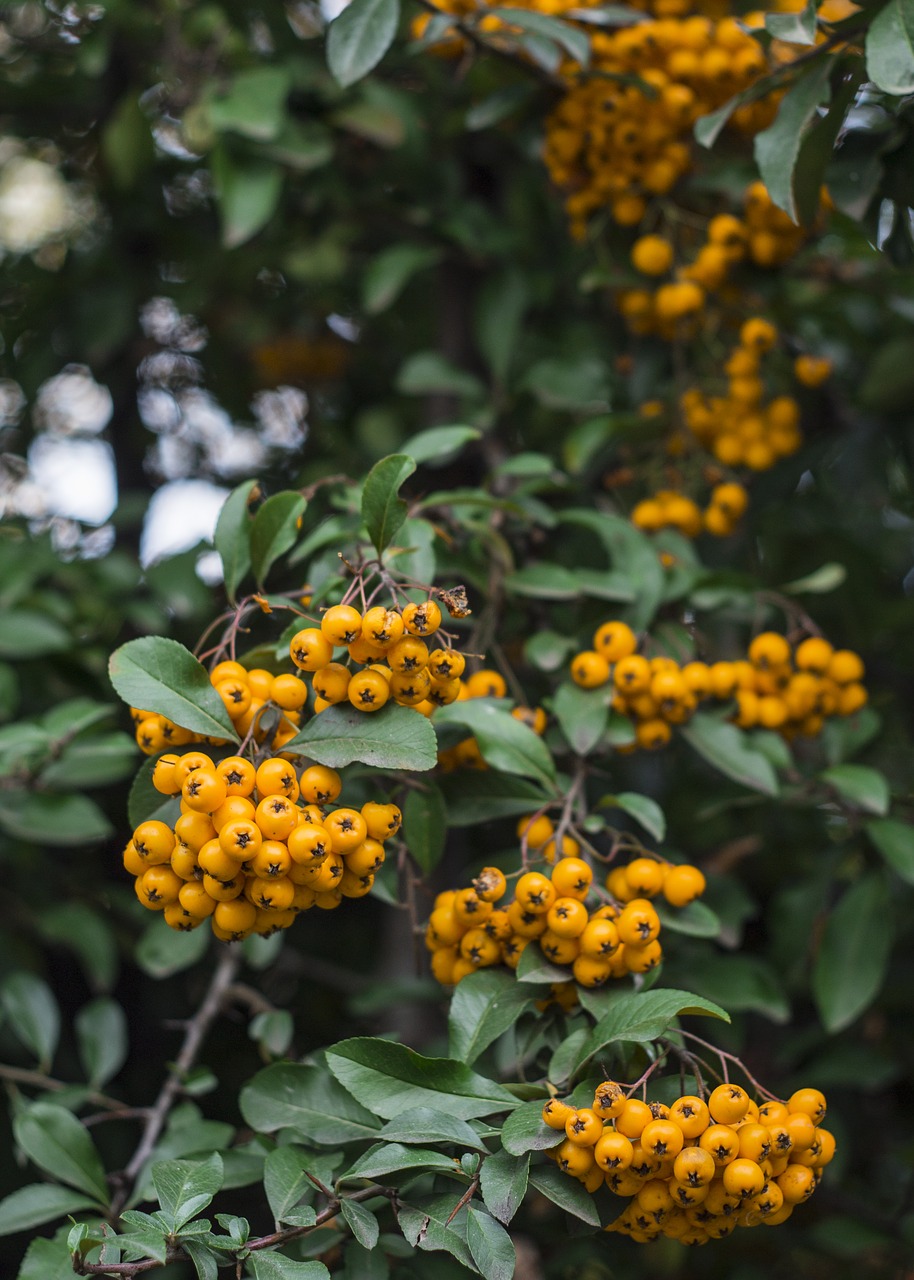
{"points": [[218, 263]]}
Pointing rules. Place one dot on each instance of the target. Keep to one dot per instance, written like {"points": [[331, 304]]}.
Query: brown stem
{"points": [[37, 1079]]}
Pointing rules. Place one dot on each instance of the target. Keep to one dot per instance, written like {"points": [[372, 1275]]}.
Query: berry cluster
{"points": [[387, 658], [697, 1170], [667, 509], [253, 847], [467, 931], [778, 687]]}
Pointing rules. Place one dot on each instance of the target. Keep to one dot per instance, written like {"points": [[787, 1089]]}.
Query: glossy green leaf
{"points": [[273, 1029], [726, 747], [423, 1125], [383, 511], [427, 1224], [895, 841], [642, 1016], [646, 812], [890, 48], [744, 983], [491, 1246], [393, 738], [359, 37], [41, 1202], [233, 537], [160, 675], [566, 1192], [852, 959], [307, 1100], [274, 531], [439, 444], [269, 1265], [503, 1182], [484, 1005], [777, 148], [860, 786], [795, 28], [32, 1013], [389, 1078], [361, 1222], [505, 743], [56, 1142], [574, 41], [583, 715], [101, 1035], [393, 1157], [486, 795], [186, 1187], [525, 1131], [162, 952], [285, 1179], [425, 826]]}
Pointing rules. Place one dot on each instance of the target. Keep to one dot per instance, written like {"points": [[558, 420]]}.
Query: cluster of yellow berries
{"points": [[738, 428], [253, 847], [468, 931], [668, 509], [697, 1170], [613, 143], [776, 687], [388, 658]]}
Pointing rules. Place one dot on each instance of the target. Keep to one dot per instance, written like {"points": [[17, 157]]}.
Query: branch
{"points": [[222, 979], [21, 1075]]}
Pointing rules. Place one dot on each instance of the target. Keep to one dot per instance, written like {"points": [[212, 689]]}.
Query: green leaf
{"points": [[503, 1182], [388, 274], [484, 1005], [392, 1157], [548, 650], [543, 582], [47, 1260], [895, 841], [362, 1223], [534, 967], [366, 1264], [430, 373], [56, 1142], [185, 1187], [439, 444], [157, 674], [524, 1130], [795, 28], [505, 743], [643, 1016], [562, 1063], [33, 1014], [285, 1179], [491, 1246], [643, 809], [422, 1124], [307, 1100], [301, 145], [233, 537], [822, 580], [425, 826], [276, 1266], [41, 1202], [566, 1192], [206, 1263], [486, 795], [382, 510], [45, 817], [247, 193], [890, 48], [92, 761], [144, 802], [574, 41], [390, 1078], [254, 104], [777, 148], [126, 142], [499, 314], [851, 963], [273, 1029], [101, 1034], [583, 715], [745, 983], [88, 934], [161, 952], [697, 920], [393, 738], [861, 786], [634, 559], [726, 747], [425, 1224], [274, 531], [359, 37], [28, 634]]}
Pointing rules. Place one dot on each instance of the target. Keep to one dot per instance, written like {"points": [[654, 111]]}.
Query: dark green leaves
{"points": [[276, 1266], [247, 193], [39, 1203], [583, 715], [895, 841], [274, 531], [860, 786], [503, 1182], [382, 510], [566, 1192], [358, 39], [160, 675], [421, 1124], [393, 1157], [890, 48], [56, 1142], [389, 273], [308, 1101], [32, 1013], [389, 1078], [484, 1005], [254, 104], [101, 1034], [726, 747], [425, 826], [361, 1222], [851, 962], [233, 537], [490, 1245], [524, 1130], [393, 738], [186, 1187], [505, 743], [643, 809], [642, 1016], [285, 1179], [573, 41], [777, 148]]}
